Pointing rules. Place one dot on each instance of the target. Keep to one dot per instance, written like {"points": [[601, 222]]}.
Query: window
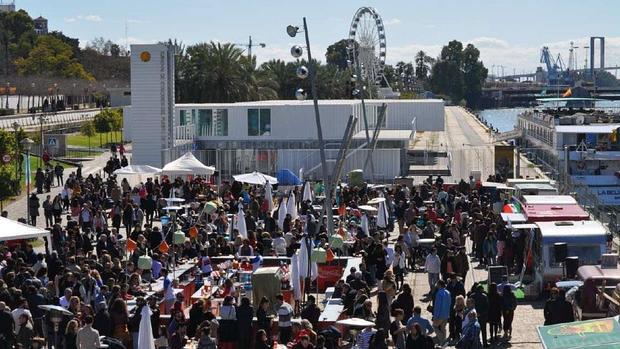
{"points": [[588, 254], [183, 117], [212, 123], [259, 122]]}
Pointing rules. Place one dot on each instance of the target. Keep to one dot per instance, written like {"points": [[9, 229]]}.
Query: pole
{"points": [[250, 48], [358, 79], [319, 130], [28, 186]]}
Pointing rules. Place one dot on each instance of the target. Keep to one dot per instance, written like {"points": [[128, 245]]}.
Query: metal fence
{"points": [[387, 162]]}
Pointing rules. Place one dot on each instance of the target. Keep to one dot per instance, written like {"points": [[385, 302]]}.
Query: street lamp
{"points": [[16, 128], [26, 144], [8, 87]]}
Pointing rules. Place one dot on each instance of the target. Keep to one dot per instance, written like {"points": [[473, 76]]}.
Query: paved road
{"points": [[471, 146], [18, 208], [66, 117]]}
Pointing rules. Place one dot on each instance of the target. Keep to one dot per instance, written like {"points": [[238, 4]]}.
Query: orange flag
{"points": [[131, 245], [163, 247], [193, 232], [329, 255]]}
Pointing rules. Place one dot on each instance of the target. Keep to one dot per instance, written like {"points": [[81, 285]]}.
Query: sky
{"points": [[509, 33]]}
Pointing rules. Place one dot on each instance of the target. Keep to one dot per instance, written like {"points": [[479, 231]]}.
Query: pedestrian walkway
{"points": [[19, 208]]}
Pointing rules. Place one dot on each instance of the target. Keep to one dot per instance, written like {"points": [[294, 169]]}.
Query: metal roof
{"points": [[575, 228], [549, 200], [386, 135], [539, 186], [592, 128]]}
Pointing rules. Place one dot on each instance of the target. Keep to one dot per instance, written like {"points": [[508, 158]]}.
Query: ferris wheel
{"points": [[367, 44]]}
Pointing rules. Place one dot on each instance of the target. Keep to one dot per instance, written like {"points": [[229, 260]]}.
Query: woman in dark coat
{"points": [[404, 301], [263, 320], [245, 313], [495, 311], [383, 311]]}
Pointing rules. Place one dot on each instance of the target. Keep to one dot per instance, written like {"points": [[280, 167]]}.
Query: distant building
{"points": [[10, 7], [119, 96], [40, 25]]}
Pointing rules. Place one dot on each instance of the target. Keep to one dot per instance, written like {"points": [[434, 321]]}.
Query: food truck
{"points": [[545, 208], [522, 189], [606, 300], [585, 239]]}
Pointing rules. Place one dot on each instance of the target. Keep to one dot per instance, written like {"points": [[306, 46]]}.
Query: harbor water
{"points": [[505, 119]]}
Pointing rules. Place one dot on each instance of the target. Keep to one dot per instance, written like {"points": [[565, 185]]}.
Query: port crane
{"points": [[556, 74]]}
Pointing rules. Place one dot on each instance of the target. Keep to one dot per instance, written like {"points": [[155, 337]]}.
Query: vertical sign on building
{"points": [[152, 103]]}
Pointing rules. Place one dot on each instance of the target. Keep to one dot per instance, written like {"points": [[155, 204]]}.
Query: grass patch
{"points": [[98, 140]]}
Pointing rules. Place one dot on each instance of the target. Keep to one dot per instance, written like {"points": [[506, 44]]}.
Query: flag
{"points": [[164, 247], [131, 245]]}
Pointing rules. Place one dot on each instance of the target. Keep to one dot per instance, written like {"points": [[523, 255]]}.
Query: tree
{"points": [[51, 57], [73, 42], [116, 121], [422, 66], [103, 124], [88, 130], [337, 54], [17, 36], [101, 46], [459, 73], [283, 74]]}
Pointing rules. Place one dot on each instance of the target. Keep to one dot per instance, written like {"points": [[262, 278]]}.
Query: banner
{"points": [[592, 334], [505, 161]]}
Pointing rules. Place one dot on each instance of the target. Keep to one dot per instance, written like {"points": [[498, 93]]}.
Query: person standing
{"points": [[25, 333], [495, 311], [481, 303], [48, 211], [509, 304], [33, 209], [471, 333], [399, 263], [433, 268], [398, 331], [245, 314], [285, 314], [58, 171], [39, 180], [441, 311]]}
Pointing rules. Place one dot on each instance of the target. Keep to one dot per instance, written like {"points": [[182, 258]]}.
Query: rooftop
{"points": [[294, 102], [591, 128]]}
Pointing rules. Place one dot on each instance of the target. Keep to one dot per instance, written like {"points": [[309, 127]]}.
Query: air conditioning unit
{"points": [[580, 120], [609, 260]]}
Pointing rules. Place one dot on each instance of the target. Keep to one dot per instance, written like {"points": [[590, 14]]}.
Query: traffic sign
{"points": [[52, 141], [6, 158]]}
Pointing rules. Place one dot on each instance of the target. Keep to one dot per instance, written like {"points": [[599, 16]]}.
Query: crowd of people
{"points": [[91, 270]]}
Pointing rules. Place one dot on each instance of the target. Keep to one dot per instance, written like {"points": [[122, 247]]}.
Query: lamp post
{"points": [[297, 51], [16, 128], [26, 144], [8, 87], [42, 120]]}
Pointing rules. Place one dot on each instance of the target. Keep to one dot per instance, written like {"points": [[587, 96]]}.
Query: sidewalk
{"points": [[18, 208]]}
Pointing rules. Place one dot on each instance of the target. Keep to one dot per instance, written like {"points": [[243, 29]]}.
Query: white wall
{"points": [[429, 113], [152, 104]]}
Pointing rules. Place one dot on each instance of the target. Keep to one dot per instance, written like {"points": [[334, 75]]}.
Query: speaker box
{"points": [[571, 264], [560, 251]]}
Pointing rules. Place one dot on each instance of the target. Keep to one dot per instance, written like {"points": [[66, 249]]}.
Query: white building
{"points": [[272, 135]]}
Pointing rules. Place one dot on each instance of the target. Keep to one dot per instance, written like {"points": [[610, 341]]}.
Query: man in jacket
{"points": [[433, 268], [441, 311], [481, 302]]}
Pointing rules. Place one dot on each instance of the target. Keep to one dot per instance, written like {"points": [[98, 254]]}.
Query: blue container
{"points": [[164, 220]]}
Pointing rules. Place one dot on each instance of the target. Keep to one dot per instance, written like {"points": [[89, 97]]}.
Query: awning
{"points": [[514, 217], [591, 334], [524, 226], [13, 230], [187, 165], [138, 170]]}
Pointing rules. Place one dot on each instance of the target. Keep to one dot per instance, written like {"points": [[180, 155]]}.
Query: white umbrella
{"points": [[145, 336], [364, 224], [243, 229], [303, 261], [281, 214], [301, 174], [138, 170], [255, 178], [294, 277], [382, 215], [355, 322], [291, 206], [269, 195], [307, 192]]}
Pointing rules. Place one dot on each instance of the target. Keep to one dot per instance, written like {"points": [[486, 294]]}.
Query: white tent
{"points": [[13, 230], [307, 192], [281, 213], [255, 178], [303, 257], [138, 170], [291, 206], [382, 215], [294, 277], [269, 196], [364, 224], [187, 165], [145, 335], [243, 229]]}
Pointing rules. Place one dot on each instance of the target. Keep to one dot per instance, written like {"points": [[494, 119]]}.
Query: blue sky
{"points": [[508, 33]]}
